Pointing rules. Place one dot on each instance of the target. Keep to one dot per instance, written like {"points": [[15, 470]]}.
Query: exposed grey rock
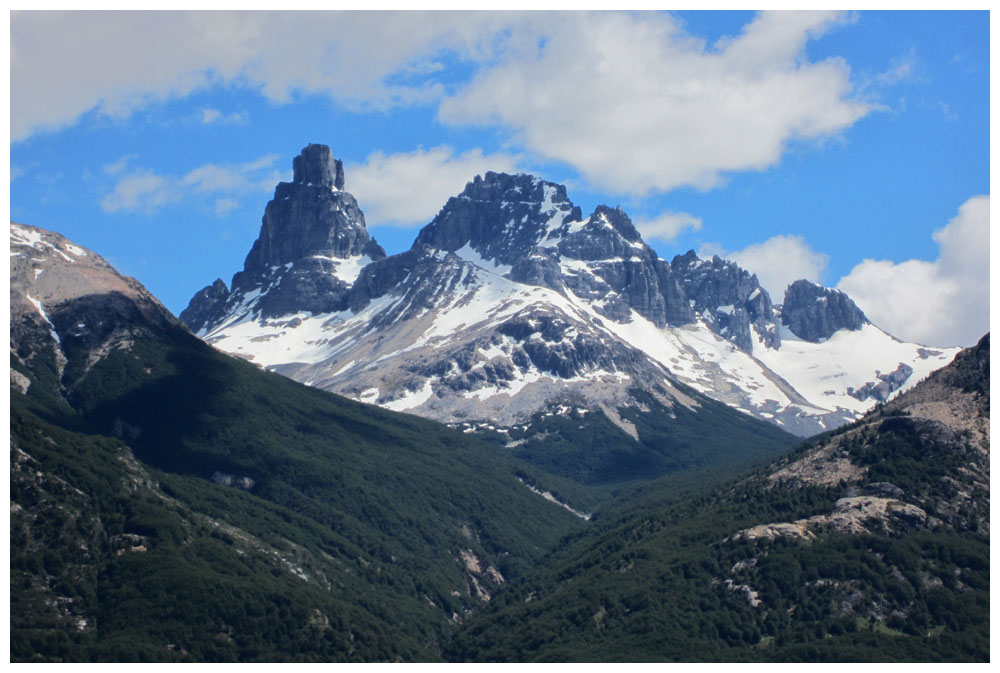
{"points": [[728, 296], [886, 385], [241, 482], [539, 268], [524, 222], [500, 216], [554, 346], [813, 312], [630, 269], [316, 165], [302, 221], [205, 306], [607, 234], [308, 228]]}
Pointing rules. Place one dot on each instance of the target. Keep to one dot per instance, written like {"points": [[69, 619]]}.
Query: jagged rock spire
{"points": [[309, 229], [813, 312], [309, 217], [317, 166]]}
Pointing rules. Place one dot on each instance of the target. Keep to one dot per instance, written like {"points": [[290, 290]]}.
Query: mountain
{"points": [[169, 502], [869, 543], [511, 306], [172, 503]]}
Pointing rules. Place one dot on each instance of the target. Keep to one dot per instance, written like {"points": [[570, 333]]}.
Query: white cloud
{"points": [[939, 303], [210, 115], [637, 105], [224, 206], [64, 64], [629, 99], [145, 191], [231, 178], [118, 166], [778, 262], [408, 189], [667, 226], [141, 191], [902, 69]]}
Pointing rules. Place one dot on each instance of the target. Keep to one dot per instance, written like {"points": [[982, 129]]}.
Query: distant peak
{"points": [[316, 165], [813, 312], [514, 187], [619, 221]]}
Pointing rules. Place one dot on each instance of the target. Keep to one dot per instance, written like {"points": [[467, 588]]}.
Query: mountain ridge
{"points": [[169, 502], [868, 543], [515, 252]]}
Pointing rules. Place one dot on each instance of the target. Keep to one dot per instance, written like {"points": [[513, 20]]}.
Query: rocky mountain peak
{"points": [[728, 296], [69, 302], [207, 304], [518, 187], [619, 221], [317, 166], [813, 312], [312, 240], [607, 234], [309, 217], [501, 217]]}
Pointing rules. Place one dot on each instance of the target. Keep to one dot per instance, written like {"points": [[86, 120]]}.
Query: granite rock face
{"points": [[884, 386], [311, 230], [813, 312], [501, 217], [511, 301], [531, 225], [206, 305], [729, 296], [316, 165]]}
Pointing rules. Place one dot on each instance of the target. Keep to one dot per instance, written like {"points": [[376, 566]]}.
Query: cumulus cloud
{"points": [[408, 189], [638, 105], [64, 64], [667, 226], [630, 100], [144, 191], [778, 262], [939, 303]]}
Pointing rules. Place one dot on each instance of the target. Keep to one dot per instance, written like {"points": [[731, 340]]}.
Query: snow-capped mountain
{"points": [[511, 302]]}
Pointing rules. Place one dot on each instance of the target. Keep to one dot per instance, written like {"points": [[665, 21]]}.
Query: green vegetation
{"points": [[587, 448], [169, 503], [345, 541], [666, 578]]}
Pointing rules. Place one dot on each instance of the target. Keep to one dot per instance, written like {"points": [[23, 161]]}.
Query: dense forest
{"points": [[169, 503]]}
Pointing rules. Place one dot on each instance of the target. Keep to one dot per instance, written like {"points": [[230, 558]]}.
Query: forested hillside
{"points": [[870, 543]]}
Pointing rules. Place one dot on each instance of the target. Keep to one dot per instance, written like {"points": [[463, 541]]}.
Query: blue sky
{"points": [[848, 148]]}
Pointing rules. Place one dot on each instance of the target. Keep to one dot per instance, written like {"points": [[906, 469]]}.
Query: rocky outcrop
{"points": [[886, 385], [813, 312], [729, 297], [854, 515], [501, 217], [530, 225], [316, 165], [70, 307], [206, 305], [312, 240], [309, 217]]}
